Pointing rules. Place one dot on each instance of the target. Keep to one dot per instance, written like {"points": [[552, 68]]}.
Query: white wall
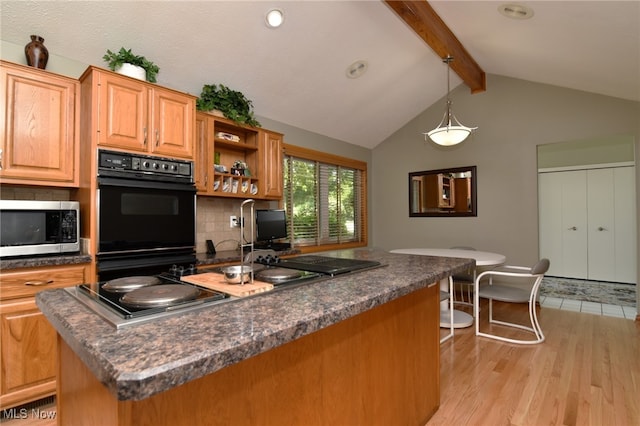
{"points": [[513, 116]]}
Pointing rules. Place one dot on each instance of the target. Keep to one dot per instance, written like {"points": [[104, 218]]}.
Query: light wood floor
{"points": [[587, 372]]}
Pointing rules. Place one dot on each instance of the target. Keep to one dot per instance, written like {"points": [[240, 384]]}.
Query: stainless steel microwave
{"points": [[29, 227]]}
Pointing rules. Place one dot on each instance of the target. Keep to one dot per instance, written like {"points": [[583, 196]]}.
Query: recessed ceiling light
{"points": [[356, 69], [274, 18], [515, 11]]}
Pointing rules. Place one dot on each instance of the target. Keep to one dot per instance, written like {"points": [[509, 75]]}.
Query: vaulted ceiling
{"points": [[296, 74]]}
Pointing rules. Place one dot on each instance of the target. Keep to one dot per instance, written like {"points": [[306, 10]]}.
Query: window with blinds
{"points": [[325, 198]]}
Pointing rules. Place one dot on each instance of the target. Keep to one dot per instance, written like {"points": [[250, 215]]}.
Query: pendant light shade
{"points": [[450, 131]]}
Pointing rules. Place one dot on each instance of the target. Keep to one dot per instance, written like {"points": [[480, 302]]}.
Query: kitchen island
{"points": [[361, 348]]}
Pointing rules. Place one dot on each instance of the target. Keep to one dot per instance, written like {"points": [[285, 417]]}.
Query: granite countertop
{"points": [[139, 361], [37, 261]]}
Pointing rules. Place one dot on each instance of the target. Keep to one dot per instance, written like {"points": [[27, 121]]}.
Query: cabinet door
{"points": [[203, 165], [173, 124], [462, 194], [123, 115], [28, 354], [272, 165], [447, 192], [38, 127]]}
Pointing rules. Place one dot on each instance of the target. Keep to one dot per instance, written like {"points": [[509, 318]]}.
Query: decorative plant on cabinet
{"points": [[116, 62]]}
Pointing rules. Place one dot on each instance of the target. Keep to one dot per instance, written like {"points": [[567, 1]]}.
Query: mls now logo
{"points": [[23, 413], [15, 413]]}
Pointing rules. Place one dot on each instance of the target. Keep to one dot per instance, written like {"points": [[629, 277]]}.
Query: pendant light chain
{"points": [[448, 60]]}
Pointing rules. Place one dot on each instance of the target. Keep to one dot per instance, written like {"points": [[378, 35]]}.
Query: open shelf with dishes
{"points": [[228, 158], [226, 184]]}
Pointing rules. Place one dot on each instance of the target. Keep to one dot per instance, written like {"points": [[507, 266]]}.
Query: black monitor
{"points": [[270, 225]]}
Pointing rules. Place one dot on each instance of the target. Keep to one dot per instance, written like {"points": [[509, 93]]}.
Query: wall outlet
{"points": [[233, 222]]}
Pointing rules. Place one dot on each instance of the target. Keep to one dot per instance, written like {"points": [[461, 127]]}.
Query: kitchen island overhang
{"points": [[150, 359]]}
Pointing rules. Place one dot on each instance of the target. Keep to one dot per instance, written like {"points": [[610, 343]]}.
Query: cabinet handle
{"points": [[38, 283], [145, 137], [0, 159], [600, 228], [573, 228], [157, 137]]}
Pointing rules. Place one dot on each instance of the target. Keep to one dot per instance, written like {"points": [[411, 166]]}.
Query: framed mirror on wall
{"points": [[443, 192]]}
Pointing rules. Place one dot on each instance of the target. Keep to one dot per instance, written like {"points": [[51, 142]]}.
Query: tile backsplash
{"points": [[212, 222]]}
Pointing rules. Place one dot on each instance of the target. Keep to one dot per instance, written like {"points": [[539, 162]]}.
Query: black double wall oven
{"points": [[146, 214]]}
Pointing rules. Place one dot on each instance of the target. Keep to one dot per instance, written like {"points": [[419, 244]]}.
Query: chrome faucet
{"points": [[242, 223]]}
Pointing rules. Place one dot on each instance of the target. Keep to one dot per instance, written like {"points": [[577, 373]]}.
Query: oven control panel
{"points": [[123, 163]]}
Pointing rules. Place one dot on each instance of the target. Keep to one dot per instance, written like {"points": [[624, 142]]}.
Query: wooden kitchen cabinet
{"points": [[272, 176], [202, 168], [136, 116], [28, 345], [223, 142], [39, 127], [462, 194], [439, 191]]}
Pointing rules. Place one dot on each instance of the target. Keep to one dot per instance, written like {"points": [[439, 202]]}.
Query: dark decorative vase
{"points": [[37, 55]]}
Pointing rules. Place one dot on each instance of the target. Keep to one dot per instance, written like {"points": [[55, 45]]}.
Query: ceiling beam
{"points": [[421, 17]]}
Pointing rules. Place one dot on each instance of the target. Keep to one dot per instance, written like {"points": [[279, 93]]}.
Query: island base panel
{"points": [[380, 367]]}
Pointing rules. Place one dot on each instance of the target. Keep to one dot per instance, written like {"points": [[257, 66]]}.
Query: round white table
{"points": [[483, 258]]}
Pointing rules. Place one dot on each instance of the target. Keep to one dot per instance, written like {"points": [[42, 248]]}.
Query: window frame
{"points": [[336, 160]]}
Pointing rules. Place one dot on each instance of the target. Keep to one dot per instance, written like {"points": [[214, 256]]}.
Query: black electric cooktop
{"points": [[327, 265]]}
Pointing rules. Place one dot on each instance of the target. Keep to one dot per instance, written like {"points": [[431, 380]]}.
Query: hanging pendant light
{"points": [[450, 131]]}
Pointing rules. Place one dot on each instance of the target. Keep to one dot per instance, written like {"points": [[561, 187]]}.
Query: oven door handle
{"points": [[131, 183]]}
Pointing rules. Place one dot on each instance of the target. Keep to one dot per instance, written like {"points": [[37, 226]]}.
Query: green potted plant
{"points": [[117, 62], [233, 104]]}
